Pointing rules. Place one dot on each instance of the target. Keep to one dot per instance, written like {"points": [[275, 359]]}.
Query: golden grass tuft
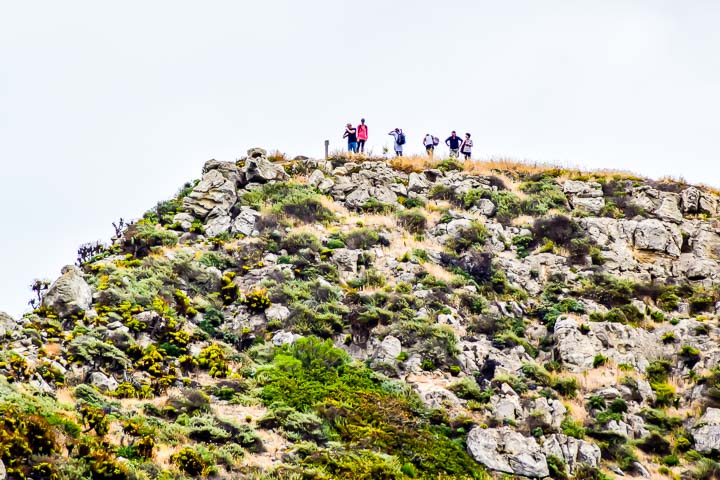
{"points": [[438, 271]]}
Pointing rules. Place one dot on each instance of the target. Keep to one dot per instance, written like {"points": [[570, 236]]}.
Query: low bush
{"points": [[361, 238], [297, 241], [473, 235], [414, 221]]}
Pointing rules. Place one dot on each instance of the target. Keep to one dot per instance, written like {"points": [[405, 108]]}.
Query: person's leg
{"points": [[361, 145]]}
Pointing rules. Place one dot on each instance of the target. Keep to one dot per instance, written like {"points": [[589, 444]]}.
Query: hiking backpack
{"points": [[436, 141], [401, 139]]}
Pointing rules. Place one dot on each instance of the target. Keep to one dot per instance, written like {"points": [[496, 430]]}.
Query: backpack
{"points": [[436, 141], [401, 139]]}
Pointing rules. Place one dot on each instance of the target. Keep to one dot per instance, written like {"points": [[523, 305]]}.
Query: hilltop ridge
{"points": [[357, 317]]}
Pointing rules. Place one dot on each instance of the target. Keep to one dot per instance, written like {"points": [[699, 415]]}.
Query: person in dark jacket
{"points": [[453, 141], [351, 135]]}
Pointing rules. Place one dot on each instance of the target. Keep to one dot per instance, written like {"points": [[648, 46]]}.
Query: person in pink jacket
{"points": [[362, 135]]}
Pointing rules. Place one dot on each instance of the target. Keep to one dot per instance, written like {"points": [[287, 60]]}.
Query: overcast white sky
{"points": [[108, 107]]}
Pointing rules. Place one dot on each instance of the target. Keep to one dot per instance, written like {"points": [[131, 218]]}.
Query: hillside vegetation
{"points": [[364, 318]]}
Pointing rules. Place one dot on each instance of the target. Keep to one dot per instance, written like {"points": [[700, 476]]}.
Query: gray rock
{"points": [[214, 192], [485, 207], [244, 223], [582, 189], [185, 220], [3, 471], [278, 313], [417, 183], [103, 382], [315, 178], [690, 200], [668, 210], [391, 347], [505, 450], [591, 204], [260, 169], [7, 324], [707, 431], [346, 261], [326, 185], [652, 234], [68, 294], [217, 225], [573, 451], [284, 338]]}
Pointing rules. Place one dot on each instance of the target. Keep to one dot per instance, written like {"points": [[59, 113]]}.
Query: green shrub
{"points": [[413, 221], [658, 370], [522, 243], [257, 301], [297, 241], [466, 237], [565, 386], [668, 337], [189, 461], [599, 360], [361, 238], [572, 429], [557, 468], [291, 199], [449, 164]]}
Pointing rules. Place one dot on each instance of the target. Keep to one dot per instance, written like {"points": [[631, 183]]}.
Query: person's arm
{"points": [[346, 133], [447, 141]]}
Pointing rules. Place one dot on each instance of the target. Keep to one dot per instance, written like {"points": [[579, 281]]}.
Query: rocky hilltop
{"points": [[363, 318]]}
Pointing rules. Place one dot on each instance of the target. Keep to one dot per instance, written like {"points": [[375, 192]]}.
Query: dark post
{"points": [[327, 145]]}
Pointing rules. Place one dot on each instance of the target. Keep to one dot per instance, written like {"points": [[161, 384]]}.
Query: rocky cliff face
{"points": [[373, 319]]}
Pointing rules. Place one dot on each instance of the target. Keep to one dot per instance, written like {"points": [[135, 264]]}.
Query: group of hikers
{"points": [[357, 136]]}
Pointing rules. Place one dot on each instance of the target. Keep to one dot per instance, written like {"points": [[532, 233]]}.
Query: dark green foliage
{"points": [[449, 164], [597, 402], [618, 406], [295, 425], [565, 386], [140, 238], [655, 444], [565, 232], [572, 429], [468, 389], [522, 243], [608, 290], [413, 221], [599, 360], [658, 370], [625, 314], [190, 461], [361, 238], [297, 241], [689, 355], [544, 193], [313, 375], [557, 468], [291, 199], [466, 237]]}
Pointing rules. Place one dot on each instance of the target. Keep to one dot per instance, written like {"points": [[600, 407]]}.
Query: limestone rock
{"points": [[277, 313], [7, 324], [585, 195], [260, 169], [505, 450], [69, 294], [213, 192], [690, 200], [652, 234], [707, 431], [668, 210], [217, 225], [244, 223], [185, 220], [573, 451], [315, 178], [284, 338], [103, 382]]}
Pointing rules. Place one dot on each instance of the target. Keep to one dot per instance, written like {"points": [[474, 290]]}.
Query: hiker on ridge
{"points": [[466, 147], [362, 135], [453, 141], [351, 135], [430, 142], [399, 137]]}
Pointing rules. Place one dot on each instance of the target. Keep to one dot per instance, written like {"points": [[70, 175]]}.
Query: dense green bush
{"points": [[466, 237], [291, 199], [297, 241], [361, 238]]}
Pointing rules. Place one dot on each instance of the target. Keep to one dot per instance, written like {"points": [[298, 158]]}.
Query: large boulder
{"points": [[571, 450], [7, 324], [69, 294], [214, 192], [585, 195], [103, 382], [652, 234], [244, 223], [261, 170], [505, 450], [707, 432]]}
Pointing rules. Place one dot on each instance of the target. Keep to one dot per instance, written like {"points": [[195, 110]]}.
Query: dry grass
{"points": [[601, 377], [372, 220], [576, 407], [438, 272]]}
